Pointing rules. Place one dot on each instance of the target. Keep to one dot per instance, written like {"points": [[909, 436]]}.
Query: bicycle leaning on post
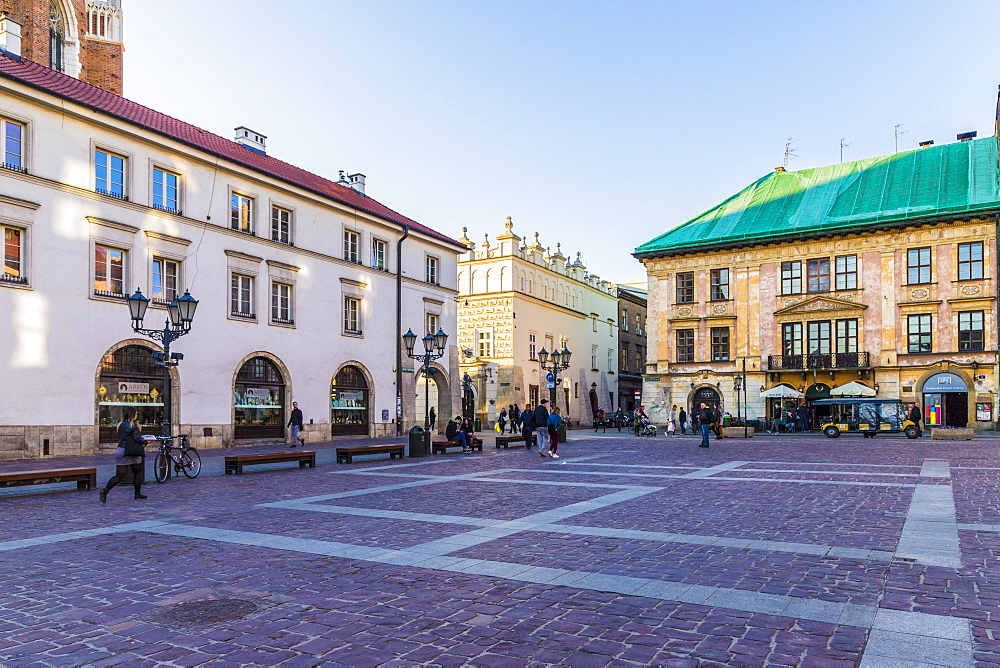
{"points": [[184, 458]]}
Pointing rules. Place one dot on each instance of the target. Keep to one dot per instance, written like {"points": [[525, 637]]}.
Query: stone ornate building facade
{"points": [[881, 272], [516, 299]]}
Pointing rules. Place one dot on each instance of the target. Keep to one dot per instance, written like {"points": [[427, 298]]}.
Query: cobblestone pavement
{"points": [[769, 551]]}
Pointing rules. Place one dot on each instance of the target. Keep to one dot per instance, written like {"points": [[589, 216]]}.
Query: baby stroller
{"points": [[645, 428]]}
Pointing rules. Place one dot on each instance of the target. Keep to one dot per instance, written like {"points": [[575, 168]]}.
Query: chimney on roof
{"points": [[966, 136], [10, 35], [779, 169], [355, 181], [251, 140], [925, 144]]}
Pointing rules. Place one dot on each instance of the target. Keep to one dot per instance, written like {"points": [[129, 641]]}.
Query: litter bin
{"points": [[478, 424], [727, 421], [562, 433], [419, 442]]}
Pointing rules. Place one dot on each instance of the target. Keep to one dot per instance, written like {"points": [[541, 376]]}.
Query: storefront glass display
{"points": [[129, 379], [349, 409], [259, 400]]}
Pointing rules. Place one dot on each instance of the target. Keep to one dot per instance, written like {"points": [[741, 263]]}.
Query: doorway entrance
{"points": [[946, 401]]}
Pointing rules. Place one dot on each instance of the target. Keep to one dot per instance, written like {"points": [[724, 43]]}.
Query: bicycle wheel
{"points": [[190, 462], [161, 467]]}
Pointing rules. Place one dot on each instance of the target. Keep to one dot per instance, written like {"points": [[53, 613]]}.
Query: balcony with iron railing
{"points": [[860, 360]]}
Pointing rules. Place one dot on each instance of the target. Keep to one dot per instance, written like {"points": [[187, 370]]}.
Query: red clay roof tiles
{"points": [[100, 100]]}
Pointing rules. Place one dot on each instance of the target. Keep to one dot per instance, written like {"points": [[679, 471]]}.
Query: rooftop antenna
{"points": [[897, 133], [790, 153], [844, 144]]}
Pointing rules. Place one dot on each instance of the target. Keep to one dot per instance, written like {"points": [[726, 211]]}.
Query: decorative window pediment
{"points": [[819, 305]]}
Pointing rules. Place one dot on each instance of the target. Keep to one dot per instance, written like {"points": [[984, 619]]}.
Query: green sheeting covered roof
{"points": [[950, 180]]}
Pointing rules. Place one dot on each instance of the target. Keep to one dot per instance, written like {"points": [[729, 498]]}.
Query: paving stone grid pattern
{"points": [[624, 552]]}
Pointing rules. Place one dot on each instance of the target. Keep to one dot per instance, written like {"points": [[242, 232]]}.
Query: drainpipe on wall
{"points": [[399, 330]]}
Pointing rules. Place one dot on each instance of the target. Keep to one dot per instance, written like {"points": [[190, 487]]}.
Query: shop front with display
{"points": [[128, 378], [259, 400], [349, 403]]}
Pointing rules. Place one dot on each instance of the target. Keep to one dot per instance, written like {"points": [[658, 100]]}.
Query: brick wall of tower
{"points": [[100, 60]]}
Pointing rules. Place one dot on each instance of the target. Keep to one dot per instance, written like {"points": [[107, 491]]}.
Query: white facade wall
{"points": [[54, 331]]}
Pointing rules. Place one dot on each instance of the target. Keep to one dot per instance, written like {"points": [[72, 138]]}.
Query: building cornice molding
{"points": [[281, 265], [244, 256], [355, 283], [153, 234], [104, 222], [16, 201]]}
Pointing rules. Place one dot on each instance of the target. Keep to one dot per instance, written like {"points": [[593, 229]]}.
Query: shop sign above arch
{"points": [[818, 391], [945, 382]]}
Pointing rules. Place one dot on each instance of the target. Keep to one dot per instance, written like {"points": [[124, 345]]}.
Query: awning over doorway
{"points": [[817, 391], [781, 392], [852, 389]]}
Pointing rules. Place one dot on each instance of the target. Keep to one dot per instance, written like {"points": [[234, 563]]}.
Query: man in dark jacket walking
{"points": [[541, 415], [915, 416], [526, 420], [705, 419], [295, 422]]}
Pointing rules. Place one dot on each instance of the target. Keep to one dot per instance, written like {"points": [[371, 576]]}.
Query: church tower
{"points": [[81, 38]]}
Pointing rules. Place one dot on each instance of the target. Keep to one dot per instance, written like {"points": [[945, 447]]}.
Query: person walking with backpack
{"points": [[515, 418], [527, 422], [705, 420], [682, 418], [541, 414], [554, 423], [131, 453]]}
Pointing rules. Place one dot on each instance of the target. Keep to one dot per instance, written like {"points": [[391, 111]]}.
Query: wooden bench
{"points": [[344, 454], [441, 447], [235, 463], [85, 478], [514, 441]]}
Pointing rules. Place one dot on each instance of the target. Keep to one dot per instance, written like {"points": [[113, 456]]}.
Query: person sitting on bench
{"points": [[453, 432]]}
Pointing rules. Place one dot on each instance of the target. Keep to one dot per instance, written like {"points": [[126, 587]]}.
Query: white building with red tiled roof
{"points": [[298, 279]]}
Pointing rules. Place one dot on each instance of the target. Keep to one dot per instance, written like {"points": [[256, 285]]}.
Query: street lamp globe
{"points": [[738, 383], [565, 356], [187, 305], [440, 340], [174, 311], [428, 343], [409, 340], [556, 358], [137, 305], [543, 355]]}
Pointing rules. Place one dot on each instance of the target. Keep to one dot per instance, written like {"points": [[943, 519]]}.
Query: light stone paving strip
{"points": [[815, 482], [930, 532], [935, 468], [76, 535], [979, 527], [712, 470]]}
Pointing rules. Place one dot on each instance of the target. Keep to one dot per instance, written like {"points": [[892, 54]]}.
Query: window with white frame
{"points": [[593, 319], [281, 225], [484, 343], [166, 277], [13, 144], [241, 213], [14, 269], [352, 315], [624, 320], [166, 190], [431, 270], [241, 303], [532, 346], [109, 173], [593, 358], [351, 241], [432, 324], [109, 271], [281, 303], [611, 360], [379, 249], [638, 324], [563, 343]]}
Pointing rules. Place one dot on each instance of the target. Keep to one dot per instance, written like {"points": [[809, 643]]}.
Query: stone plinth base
{"points": [[737, 432], [953, 434]]}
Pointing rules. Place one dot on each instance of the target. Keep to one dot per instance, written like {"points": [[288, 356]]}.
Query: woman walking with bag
{"points": [[131, 452]]}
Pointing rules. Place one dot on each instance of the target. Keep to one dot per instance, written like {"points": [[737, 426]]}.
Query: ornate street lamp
{"points": [[180, 314], [434, 346], [559, 362]]}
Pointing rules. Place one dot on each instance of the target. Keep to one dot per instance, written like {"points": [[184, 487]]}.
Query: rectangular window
{"points": [[791, 338], [593, 319], [432, 323], [918, 265], [638, 324], [846, 272], [351, 241], [431, 270], [818, 275], [918, 329], [241, 296], [281, 225], [624, 357], [352, 315], [13, 144], [685, 287], [281, 303], [593, 358], [970, 261], [611, 360], [484, 340], [720, 343], [549, 345], [847, 336], [563, 343], [720, 285], [13, 255], [378, 254], [818, 337], [624, 320], [109, 271], [166, 190], [241, 213], [109, 173], [166, 276], [532, 346], [791, 278], [685, 345], [971, 333]]}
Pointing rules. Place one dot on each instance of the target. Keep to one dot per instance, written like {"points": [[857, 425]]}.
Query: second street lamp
{"points": [[434, 346], [559, 362]]}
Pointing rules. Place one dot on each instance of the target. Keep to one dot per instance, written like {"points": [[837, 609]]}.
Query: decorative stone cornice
{"points": [[244, 256], [104, 222], [167, 237]]}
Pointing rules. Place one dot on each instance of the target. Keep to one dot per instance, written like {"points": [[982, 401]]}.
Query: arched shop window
{"points": [[349, 399], [259, 400], [128, 379]]}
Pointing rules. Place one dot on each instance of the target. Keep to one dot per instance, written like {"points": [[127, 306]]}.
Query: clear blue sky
{"points": [[597, 124]]}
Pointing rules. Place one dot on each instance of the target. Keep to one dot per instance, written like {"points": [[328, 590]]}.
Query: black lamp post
{"points": [[180, 314], [432, 342], [559, 362]]}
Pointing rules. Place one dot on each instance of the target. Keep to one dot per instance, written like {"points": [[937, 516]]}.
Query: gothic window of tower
{"points": [[57, 37]]}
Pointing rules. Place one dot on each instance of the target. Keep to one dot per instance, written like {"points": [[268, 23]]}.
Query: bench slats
{"points": [[85, 478], [235, 463], [345, 454]]}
